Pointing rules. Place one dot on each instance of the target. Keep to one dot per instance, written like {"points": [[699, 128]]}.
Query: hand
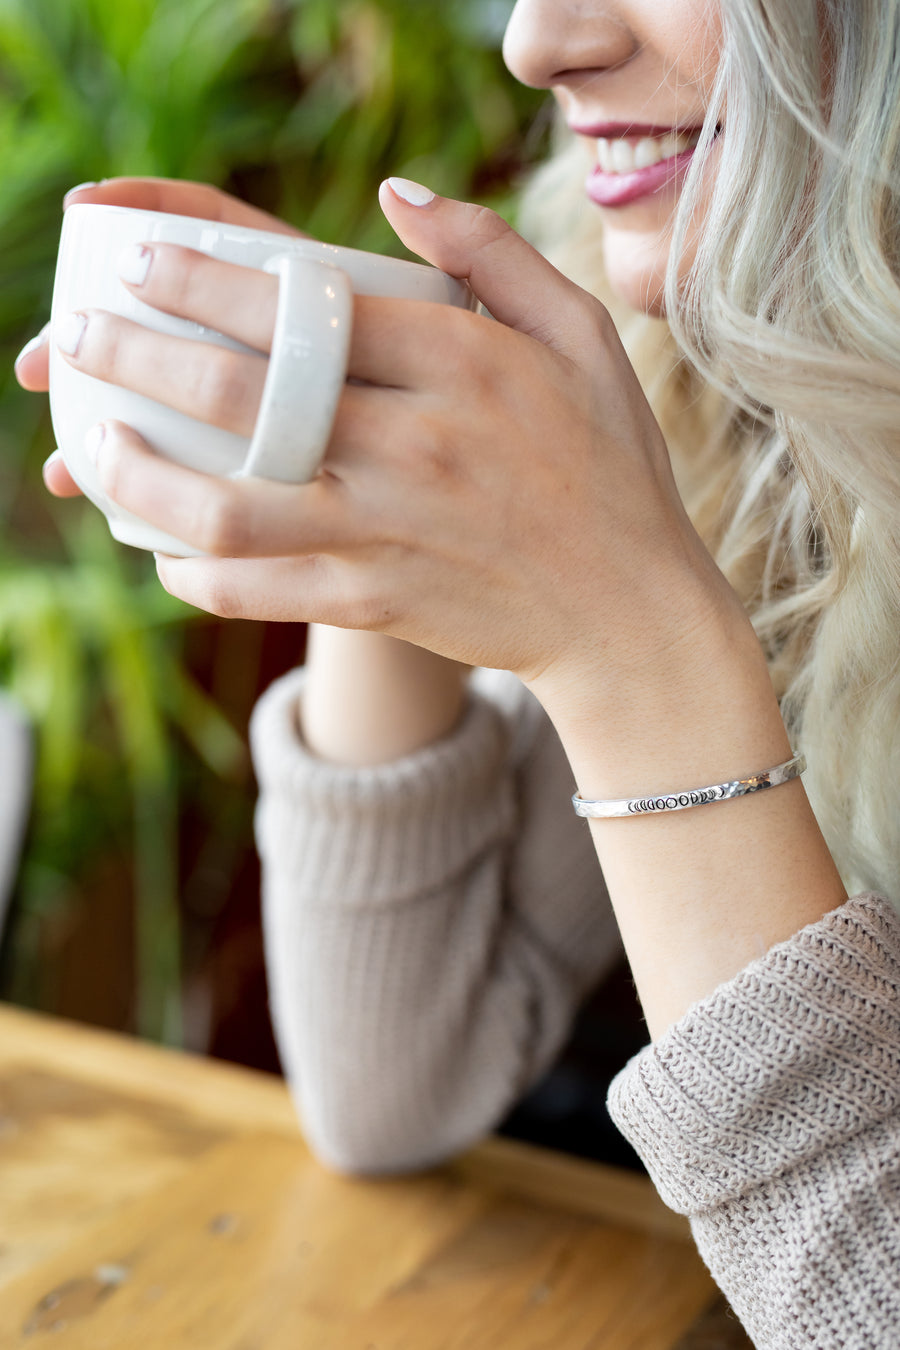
{"points": [[498, 492], [147, 194]]}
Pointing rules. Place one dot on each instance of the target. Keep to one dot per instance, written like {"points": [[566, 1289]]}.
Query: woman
{"points": [[500, 495]]}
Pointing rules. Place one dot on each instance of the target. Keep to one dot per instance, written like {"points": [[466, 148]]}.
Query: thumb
{"points": [[509, 277]]}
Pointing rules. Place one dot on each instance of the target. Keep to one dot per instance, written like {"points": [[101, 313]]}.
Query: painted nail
{"points": [[93, 441], [407, 191], [68, 332], [34, 344], [134, 264], [78, 188]]}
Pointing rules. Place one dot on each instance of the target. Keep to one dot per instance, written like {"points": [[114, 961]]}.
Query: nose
{"points": [[563, 42]]}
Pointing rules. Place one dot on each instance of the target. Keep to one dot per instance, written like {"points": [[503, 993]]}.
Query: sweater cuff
{"points": [[793, 1056], [388, 833]]}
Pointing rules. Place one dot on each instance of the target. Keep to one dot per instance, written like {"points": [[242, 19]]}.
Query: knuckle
{"points": [[112, 477], [435, 456], [595, 328], [217, 596], [217, 389], [483, 378], [362, 601], [105, 351], [220, 526], [486, 226], [218, 200], [374, 612], [602, 323], [172, 277], [591, 335]]}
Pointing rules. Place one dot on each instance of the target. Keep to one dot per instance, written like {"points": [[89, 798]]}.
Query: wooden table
{"points": [[150, 1199]]}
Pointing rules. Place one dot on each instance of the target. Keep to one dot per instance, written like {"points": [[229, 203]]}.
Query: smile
{"points": [[633, 163], [625, 156]]}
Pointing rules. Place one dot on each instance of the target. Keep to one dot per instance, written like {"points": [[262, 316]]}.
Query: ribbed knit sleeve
{"points": [[426, 951], [770, 1114]]}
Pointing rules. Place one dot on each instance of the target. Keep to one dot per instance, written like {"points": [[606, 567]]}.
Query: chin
{"points": [[636, 268]]}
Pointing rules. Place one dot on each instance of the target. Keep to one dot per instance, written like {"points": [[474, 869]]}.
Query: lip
{"points": [[620, 189], [610, 131]]}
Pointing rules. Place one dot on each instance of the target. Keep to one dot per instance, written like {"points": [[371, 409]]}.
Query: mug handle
{"points": [[307, 370]]}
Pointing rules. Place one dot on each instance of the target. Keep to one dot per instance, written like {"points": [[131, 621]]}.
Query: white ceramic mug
{"points": [[307, 368]]}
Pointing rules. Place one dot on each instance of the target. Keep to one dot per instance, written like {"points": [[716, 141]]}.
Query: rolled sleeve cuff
{"points": [[385, 834], [795, 1055]]}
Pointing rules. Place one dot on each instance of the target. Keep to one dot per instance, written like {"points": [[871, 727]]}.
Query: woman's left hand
{"points": [[496, 490]]}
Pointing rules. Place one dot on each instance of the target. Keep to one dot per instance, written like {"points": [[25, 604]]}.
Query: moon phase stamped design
{"points": [[701, 796]]}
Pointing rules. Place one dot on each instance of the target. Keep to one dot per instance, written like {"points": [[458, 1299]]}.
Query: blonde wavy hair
{"points": [[776, 378]]}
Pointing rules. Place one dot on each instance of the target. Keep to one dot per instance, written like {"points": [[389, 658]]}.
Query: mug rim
{"points": [[331, 252]]}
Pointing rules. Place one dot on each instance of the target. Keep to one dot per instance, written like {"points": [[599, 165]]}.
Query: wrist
{"points": [[697, 893], [688, 700], [371, 699]]}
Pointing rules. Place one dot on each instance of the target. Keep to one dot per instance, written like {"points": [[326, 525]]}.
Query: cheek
{"points": [[687, 34]]}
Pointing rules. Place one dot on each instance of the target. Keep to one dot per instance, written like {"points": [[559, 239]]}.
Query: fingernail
{"points": [[79, 188], [35, 342], [407, 191], [52, 459], [134, 264], [68, 332], [93, 441]]}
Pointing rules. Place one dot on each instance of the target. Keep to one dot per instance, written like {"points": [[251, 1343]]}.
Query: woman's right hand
{"points": [[145, 194]]}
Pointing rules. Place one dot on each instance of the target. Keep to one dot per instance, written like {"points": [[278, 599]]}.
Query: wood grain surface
{"points": [[149, 1199]]}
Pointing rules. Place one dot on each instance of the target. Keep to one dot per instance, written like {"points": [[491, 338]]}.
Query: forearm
{"points": [[371, 699], [770, 1116], [413, 960], [697, 893]]}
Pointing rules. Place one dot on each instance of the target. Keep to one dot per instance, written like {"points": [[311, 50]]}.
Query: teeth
{"points": [[646, 152], [622, 156]]}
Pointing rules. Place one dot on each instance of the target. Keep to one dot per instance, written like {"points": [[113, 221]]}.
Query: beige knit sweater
{"points": [[431, 926]]}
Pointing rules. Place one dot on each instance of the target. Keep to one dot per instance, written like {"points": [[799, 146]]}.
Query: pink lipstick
{"points": [[637, 161]]}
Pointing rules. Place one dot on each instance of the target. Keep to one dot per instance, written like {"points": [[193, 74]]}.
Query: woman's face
{"points": [[634, 79]]}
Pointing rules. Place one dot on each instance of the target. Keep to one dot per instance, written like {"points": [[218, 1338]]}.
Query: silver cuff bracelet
{"points": [[683, 801]]}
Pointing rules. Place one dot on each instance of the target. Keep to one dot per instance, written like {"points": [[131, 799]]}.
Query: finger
{"points": [[32, 363], [238, 301], [392, 340], [280, 590], [225, 517], [519, 287], [179, 198], [57, 478], [410, 344], [213, 384]]}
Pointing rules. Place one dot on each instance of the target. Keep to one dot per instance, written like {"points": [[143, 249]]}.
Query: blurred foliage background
{"points": [[140, 836]]}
